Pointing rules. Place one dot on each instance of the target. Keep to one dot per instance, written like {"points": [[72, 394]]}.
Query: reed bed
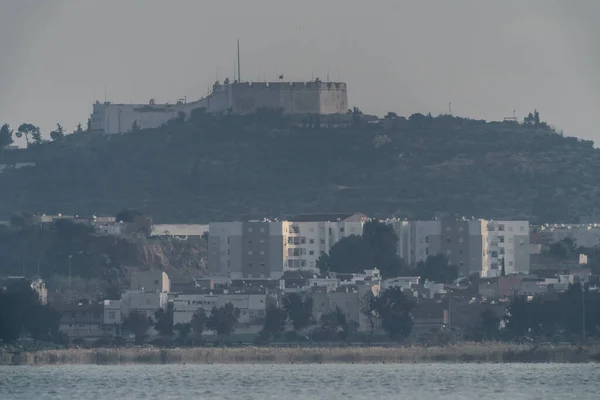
{"points": [[465, 352]]}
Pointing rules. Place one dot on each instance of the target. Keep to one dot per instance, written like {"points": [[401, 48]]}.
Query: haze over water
{"points": [[298, 382]]}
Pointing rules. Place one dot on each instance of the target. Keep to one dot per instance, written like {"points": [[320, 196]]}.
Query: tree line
{"points": [[33, 134], [377, 248]]}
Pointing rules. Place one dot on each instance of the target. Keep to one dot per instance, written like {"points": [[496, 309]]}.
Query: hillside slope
{"points": [[234, 167]]}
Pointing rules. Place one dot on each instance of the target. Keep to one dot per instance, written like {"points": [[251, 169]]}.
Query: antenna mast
{"points": [[238, 69]]}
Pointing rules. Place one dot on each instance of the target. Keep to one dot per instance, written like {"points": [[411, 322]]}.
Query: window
{"points": [[228, 240], [494, 253], [249, 241], [522, 228], [228, 252], [461, 240], [262, 252], [112, 314], [156, 281], [448, 240], [494, 266], [294, 229], [511, 240], [311, 241], [460, 252], [460, 228], [322, 252], [312, 253], [342, 230], [262, 229], [352, 230], [322, 241], [228, 264], [426, 250], [522, 242], [510, 263], [249, 252], [312, 229], [426, 239], [250, 264], [501, 227], [501, 239], [502, 250], [510, 228], [263, 264]]}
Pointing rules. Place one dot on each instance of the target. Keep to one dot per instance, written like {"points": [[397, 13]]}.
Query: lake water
{"points": [[297, 382]]}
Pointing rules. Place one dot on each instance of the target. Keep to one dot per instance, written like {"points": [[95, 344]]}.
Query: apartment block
{"points": [[266, 249], [475, 246]]}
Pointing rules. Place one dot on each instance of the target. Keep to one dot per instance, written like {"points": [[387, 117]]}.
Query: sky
{"points": [[487, 58]]}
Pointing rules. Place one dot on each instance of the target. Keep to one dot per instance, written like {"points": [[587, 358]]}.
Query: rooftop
{"points": [[328, 217]]}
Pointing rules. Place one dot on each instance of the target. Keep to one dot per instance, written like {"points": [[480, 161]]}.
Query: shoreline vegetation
{"points": [[470, 352]]}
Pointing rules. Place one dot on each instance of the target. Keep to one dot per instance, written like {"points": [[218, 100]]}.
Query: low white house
{"points": [[252, 306]]}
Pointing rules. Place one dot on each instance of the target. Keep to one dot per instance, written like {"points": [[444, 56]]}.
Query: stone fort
{"points": [[314, 97]]}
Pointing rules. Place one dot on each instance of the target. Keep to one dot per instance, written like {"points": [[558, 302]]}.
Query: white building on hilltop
{"points": [[314, 97], [266, 249]]}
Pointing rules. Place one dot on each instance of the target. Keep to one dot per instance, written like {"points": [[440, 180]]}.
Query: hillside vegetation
{"points": [[265, 165]]}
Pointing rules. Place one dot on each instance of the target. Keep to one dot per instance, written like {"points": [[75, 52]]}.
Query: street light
{"points": [[583, 311], [70, 257]]}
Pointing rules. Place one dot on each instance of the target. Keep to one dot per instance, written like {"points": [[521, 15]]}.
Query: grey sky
{"points": [[486, 57]]}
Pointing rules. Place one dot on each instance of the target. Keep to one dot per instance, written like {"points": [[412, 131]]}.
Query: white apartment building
{"points": [[266, 249], [252, 306], [475, 246]]}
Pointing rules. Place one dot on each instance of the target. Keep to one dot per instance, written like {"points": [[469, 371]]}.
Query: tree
{"points": [[223, 320], [383, 241], [43, 323], [183, 330], [79, 128], [137, 323], [352, 254], [27, 130], [437, 269], [23, 221], [135, 126], [323, 263], [298, 310], [21, 311], [140, 221], [59, 133], [274, 325], [164, 320], [334, 325], [198, 322], [6, 138], [489, 324], [394, 308], [368, 307]]}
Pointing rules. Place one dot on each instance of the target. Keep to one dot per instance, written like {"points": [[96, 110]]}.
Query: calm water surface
{"points": [[282, 382]]}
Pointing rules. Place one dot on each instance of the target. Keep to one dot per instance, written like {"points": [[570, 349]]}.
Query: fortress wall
{"points": [[334, 99], [294, 97], [248, 97]]}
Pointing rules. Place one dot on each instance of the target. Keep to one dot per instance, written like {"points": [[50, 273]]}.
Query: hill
{"points": [[237, 167]]}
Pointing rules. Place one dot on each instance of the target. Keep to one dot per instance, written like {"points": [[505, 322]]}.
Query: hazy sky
{"points": [[486, 57]]}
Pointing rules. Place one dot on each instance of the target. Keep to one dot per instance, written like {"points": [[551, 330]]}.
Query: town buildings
{"points": [[475, 246], [266, 249]]}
